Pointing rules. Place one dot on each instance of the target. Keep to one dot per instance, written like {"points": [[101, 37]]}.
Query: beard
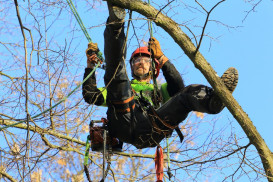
{"points": [[140, 71]]}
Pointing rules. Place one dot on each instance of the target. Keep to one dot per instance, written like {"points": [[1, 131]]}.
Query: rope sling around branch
{"points": [[99, 55]]}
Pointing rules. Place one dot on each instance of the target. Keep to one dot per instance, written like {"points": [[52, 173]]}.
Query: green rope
{"points": [[73, 9], [63, 99], [150, 23], [79, 20], [86, 155]]}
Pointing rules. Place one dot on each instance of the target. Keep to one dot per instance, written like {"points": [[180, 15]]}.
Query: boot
{"points": [[230, 79], [116, 15]]}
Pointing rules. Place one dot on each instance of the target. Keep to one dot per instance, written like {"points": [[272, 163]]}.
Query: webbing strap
{"points": [[159, 163]]}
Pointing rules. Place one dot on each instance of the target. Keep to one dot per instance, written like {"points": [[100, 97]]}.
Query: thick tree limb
{"points": [[54, 133], [44, 132], [200, 63]]}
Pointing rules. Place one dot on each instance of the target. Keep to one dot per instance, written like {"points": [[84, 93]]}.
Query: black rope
{"points": [[103, 154], [87, 173]]}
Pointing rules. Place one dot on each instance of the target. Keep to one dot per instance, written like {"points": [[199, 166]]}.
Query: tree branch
{"points": [[4, 174], [205, 25]]}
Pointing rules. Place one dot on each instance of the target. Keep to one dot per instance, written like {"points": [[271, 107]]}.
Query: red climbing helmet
{"points": [[143, 51]]}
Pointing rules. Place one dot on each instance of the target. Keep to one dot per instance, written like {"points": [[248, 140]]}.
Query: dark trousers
{"points": [[128, 121]]}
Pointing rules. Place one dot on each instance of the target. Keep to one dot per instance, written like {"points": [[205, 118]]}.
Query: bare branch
{"points": [[207, 19]]}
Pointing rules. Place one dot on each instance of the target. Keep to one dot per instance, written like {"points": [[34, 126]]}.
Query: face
{"points": [[141, 65]]}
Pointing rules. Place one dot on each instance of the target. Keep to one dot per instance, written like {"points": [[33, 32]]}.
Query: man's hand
{"points": [[91, 54], [92, 60], [155, 48], [92, 48]]}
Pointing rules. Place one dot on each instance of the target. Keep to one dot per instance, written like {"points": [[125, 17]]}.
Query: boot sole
{"points": [[230, 78]]}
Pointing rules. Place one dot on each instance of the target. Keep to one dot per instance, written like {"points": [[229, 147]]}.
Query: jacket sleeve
{"points": [[90, 92], [174, 80]]}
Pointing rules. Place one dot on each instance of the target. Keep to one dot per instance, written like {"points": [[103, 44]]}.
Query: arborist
{"points": [[131, 113]]}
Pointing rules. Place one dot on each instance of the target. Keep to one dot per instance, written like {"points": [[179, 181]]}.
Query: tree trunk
{"points": [[200, 63]]}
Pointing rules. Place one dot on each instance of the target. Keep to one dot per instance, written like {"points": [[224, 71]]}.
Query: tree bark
{"points": [[200, 63]]}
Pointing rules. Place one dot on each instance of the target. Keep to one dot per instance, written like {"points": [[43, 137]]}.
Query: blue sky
{"points": [[247, 48]]}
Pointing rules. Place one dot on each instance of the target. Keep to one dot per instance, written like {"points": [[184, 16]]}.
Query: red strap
{"points": [[159, 163]]}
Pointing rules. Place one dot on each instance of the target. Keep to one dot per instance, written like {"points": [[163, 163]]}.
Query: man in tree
{"points": [[131, 114]]}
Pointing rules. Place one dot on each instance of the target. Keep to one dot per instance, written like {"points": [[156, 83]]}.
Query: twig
{"points": [[208, 14], [253, 9]]}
